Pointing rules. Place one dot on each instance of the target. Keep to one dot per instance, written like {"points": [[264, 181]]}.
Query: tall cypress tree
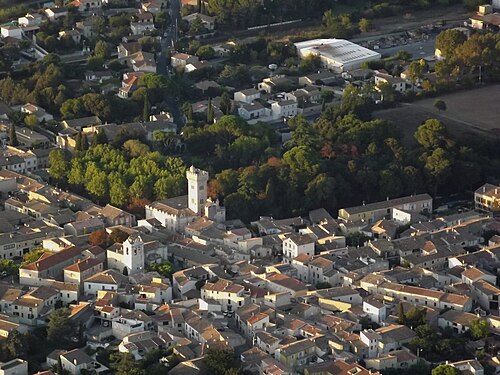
{"points": [[401, 314], [85, 142], [59, 369], [187, 110], [225, 103], [13, 136], [78, 142], [210, 112], [147, 107]]}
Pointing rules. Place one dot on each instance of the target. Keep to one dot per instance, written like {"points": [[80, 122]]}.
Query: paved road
{"points": [[163, 67], [417, 50]]}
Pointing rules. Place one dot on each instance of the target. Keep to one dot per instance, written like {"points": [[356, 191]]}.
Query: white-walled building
{"points": [[337, 54], [109, 280], [12, 32], [129, 255], [376, 310], [229, 295], [284, 108], [176, 213], [246, 96], [296, 244]]}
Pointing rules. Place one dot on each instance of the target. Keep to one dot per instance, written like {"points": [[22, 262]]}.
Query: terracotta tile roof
{"points": [[46, 262], [302, 258], [257, 318], [287, 282], [472, 273], [83, 265]]}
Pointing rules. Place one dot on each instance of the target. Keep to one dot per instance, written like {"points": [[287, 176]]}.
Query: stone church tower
{"points": [[133, 254], [197, 189]]}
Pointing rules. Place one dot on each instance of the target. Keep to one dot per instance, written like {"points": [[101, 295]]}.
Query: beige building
{"points": [[83, 269], [229, 295], [487, 198], [372, 212]]}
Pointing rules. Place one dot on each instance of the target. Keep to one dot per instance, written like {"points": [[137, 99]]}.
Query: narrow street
{"points": [[168, 40]]}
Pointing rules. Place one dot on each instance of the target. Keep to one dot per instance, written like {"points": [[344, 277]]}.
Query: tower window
{"points": [[202, 187]]}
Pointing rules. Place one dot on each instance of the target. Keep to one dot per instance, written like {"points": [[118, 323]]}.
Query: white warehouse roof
{"points": [[337, 54]]}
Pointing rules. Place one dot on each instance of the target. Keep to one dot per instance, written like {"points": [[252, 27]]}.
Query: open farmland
{"points": [[474, 112]]}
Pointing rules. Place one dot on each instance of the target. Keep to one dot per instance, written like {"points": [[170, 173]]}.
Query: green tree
{"points": [[210, 112], [59, 327], [96, 183], [364, 25], [13, 136], [33, 256], [445, 370], [78, 142], [147, 108], [187, 110], [136, 148], [205, 52], [85, 142], [165, 268], [8, 266], [169, 187], [58, 165], [440, 105], [225, 103], [431, 134], [118, 190], [16, 345], [125, 364], [31, 121], [449, 40], [102, 50], [99, 138], [479, 329], [416, 70], [438, 166], [219, 361], [196, 26]]}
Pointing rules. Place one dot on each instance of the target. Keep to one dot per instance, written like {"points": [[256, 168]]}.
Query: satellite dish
{"points": [[273, 66]]}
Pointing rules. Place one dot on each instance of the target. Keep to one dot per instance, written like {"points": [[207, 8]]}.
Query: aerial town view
{"points": [[250, 187]]}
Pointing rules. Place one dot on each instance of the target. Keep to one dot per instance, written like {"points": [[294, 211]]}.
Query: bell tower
{"points": [[133, 254], [197, 189]]}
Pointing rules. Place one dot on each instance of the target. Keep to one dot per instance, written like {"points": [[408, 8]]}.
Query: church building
{"points": [[129, 255], [176, 213]]}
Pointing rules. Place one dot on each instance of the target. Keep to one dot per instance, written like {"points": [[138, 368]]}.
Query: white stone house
{"points": [[284, 108], [296, 244], [246, 96], [376, 310], [11, 32]]}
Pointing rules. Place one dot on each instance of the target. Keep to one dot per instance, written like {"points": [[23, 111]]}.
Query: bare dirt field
{"points": [[469, 113]]}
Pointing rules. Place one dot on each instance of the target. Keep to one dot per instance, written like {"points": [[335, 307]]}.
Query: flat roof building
{"points": [[337, 54]]}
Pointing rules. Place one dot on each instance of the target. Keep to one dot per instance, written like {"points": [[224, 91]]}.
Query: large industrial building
{"points": [[337, 54]]}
